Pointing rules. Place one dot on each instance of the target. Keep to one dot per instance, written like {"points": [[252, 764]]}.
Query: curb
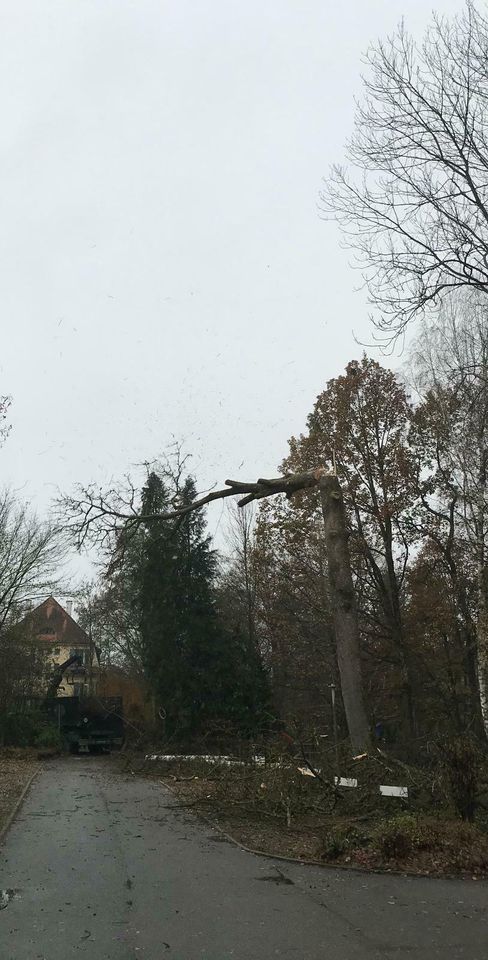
{"points": [[10, 819]]}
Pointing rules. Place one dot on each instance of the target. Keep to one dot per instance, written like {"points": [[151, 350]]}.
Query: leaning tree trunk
{"points": [[345, 613]]}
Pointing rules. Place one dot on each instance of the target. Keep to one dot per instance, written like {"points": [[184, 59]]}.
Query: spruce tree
{"points": [[201, 671]]}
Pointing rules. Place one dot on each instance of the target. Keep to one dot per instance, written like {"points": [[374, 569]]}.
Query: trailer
{"points": [[88, 724]]}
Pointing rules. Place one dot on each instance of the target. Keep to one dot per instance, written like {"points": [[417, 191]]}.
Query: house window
{"points": [[82, 654]]}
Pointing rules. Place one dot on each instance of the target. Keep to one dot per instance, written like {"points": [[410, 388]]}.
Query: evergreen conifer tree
{"points": [[200, 670]]}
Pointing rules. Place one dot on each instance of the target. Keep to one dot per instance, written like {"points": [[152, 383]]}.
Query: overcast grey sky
{"points": [[164, 270]]}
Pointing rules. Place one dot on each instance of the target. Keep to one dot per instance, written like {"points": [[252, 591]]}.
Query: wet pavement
{"points": [[98, 865]]}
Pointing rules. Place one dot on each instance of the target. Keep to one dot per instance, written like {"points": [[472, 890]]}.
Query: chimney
{"points": [[69, 607]]}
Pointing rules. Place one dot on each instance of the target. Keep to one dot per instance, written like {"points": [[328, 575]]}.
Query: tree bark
{"points": [[345, 614]]}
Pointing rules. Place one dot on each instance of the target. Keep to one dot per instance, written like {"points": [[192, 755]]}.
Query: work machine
{"points": [[86, 723]]}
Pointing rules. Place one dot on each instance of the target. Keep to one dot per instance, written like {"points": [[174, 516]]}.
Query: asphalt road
{"points": [[99, 866]]}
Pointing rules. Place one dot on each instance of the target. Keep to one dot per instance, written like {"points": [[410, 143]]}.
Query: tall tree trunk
{"points": [[393, 615], [466, 637], [482, 646], [482, 631], [469, 644], [459, 721], [345, 614]]}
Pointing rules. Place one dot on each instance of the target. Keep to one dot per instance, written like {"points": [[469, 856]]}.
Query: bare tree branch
{"points": [[95, 517], [413, 203]]}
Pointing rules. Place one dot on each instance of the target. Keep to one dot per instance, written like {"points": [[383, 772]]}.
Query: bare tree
{"points": [[237, 580], [413, 202], [107, 613], [450, 363], [31, 557], [24, 670]]}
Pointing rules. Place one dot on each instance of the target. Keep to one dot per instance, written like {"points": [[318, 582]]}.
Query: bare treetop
{"points": [[413, 203]]}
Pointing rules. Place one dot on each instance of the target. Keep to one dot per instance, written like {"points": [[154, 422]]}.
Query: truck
{"points": [[86, 723]]}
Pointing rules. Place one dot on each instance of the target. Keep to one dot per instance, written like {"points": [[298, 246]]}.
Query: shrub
{"points": [[28, 729], [19, 729], [339, 841], [334, 844], [399, 838], [448, 844]]}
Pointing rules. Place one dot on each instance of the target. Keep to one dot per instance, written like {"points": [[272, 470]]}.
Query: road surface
{"points": [[97, 865]]}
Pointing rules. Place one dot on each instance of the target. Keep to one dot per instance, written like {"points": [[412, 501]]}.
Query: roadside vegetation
{"points": [[277, 806]]}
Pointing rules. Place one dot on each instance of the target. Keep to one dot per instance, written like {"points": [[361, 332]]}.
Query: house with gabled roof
{"points": [[53, 629]]}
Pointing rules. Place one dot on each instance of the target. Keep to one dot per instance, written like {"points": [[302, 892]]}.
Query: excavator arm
{"points": [[58, 674]]}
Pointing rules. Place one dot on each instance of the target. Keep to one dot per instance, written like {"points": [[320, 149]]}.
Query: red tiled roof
{"points": [[51, 616]]}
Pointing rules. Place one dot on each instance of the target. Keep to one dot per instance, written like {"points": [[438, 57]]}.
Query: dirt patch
{"points": [[16, 769]]}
